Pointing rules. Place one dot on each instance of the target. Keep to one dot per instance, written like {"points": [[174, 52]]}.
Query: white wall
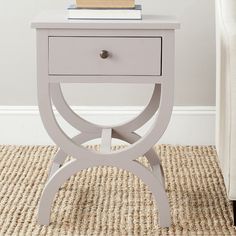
{"points": [[195, 56]]}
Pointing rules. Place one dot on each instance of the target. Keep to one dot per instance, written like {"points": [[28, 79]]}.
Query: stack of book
{"points": [[105, 9]]}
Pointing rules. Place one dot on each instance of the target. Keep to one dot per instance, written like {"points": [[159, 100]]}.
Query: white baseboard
{"points": [[193, 125]]}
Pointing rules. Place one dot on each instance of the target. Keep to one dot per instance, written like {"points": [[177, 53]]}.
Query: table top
{"points": [[58, 19]]}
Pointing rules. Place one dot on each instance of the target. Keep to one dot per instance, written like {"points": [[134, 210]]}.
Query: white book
{"points": [[111, 14]]}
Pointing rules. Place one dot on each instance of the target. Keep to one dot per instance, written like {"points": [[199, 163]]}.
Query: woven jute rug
{"points": [[110, 201]]}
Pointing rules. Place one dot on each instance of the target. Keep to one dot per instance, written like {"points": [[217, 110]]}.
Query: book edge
{"points": [[137, 7]]}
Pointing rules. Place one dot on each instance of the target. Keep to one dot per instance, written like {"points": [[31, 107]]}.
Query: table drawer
{"points": [[126, 56]]}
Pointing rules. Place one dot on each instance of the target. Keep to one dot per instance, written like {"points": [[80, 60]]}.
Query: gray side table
{"points": [[70, 51]]}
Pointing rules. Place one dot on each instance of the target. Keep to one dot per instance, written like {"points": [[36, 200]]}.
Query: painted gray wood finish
{"points": [[126, 56], [68, 52]]}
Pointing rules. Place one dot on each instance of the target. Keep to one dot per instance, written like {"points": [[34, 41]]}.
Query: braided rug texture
{"points": [[110, 201]]}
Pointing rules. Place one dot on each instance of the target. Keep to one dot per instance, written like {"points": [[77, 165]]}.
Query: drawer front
{"points": [[126, 56]]}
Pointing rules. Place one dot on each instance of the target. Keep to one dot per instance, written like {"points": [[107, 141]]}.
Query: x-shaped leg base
{"points": [[124, 159]]}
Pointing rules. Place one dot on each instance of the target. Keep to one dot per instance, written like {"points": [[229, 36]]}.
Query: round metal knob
{"points": [[104, 54]]}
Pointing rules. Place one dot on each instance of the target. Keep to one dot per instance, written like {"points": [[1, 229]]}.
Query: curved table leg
{"points": [[68, 114], [72, 167], [60, 157], [81, 124], [121, 159], [151, 155], [148, 112], [138, 148], [155, 164]]}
